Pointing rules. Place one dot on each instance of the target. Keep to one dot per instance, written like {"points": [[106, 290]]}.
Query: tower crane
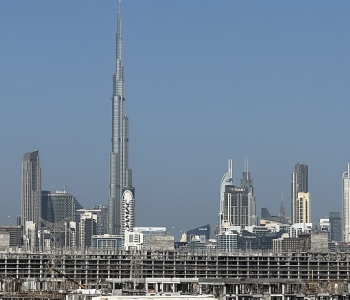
{"points": [[82, 286]]}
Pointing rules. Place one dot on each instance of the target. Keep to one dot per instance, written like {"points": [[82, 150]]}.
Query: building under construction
{"points": [[222, 274]]}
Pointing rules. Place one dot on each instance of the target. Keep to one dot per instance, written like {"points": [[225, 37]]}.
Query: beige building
{"points": [[303, 208]]}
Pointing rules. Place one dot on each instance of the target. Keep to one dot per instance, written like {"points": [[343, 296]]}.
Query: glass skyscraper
{"points": [[121, 192], [31, 189]]}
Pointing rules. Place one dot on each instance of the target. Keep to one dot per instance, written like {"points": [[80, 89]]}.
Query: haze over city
{"points": [[205, 81]]}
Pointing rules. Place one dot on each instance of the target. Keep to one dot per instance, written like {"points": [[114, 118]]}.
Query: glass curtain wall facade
{"points": [[31, 189], [120, 179]]}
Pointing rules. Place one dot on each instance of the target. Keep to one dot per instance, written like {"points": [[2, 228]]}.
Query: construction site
{"points": [[225, 275]]}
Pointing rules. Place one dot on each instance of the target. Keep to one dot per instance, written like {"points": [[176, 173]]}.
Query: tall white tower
{"points": [[227, 179], [120, 175], [346, 204]]}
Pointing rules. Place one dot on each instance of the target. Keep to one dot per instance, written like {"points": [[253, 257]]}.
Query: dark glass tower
{"points": [[31, 189], [121, 191], [336, 226], [46, 207]]}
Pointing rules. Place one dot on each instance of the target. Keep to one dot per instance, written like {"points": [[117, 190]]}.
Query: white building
{"points": [[297, 228], [30, 238], [107, 242], [128, 211], [346, 204], [303, 208], [325, 225], [227, 241], [150, 230], [87, 228], [133, 241]]}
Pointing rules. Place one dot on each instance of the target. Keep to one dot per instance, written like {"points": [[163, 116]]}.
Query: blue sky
{"points": [[205, 81]]}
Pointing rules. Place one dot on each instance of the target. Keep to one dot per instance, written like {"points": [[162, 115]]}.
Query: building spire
{"points": [[119, 76]]}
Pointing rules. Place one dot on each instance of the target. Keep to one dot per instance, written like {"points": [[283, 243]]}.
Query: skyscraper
{"points": [[65, 216], [64, 207], [31, 189], [346, 204], [46, 207], [121, 192], [336, 226], [303, 208], [237, 203], [300, 182]]}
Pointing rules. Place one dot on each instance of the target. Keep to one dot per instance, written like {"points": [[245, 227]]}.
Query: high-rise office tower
{"points": [[237, 203], [299, 184], [121, 191], [64, 207], [87, 228], [346, 204], [247, 185], [65, 216], [31, 190], [102, 219], [336, 226], [46, 207], [303, 208]]}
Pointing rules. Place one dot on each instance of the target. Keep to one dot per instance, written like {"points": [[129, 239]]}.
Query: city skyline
{"points": [[276, 59]]}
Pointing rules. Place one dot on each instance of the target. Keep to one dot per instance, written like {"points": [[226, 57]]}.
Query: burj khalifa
{"points": [[121, 202]]}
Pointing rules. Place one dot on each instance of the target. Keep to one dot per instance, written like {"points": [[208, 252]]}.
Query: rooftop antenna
{"points": [[247, 168]]}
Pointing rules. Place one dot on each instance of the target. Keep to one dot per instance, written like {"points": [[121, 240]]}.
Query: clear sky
{"points": [[205, 81]]}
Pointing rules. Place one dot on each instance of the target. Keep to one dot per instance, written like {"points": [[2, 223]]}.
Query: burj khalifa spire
{"points": [[121, 202]]}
